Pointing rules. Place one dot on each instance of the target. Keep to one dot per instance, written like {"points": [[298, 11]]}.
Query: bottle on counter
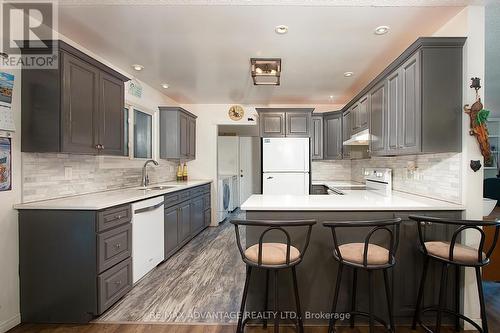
{"points": [[179, 172], [185, 172]]}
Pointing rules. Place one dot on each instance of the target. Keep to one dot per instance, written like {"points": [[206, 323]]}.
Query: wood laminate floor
{"points": [[202, 283]]}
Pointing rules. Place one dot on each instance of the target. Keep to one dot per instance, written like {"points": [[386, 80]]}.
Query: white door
{"points": [[250, 168], [227, 155], [147, 236], [285, 183], [285, 154]]}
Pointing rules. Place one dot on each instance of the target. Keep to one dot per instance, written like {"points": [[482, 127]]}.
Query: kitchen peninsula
{"points": [[318, 271]]}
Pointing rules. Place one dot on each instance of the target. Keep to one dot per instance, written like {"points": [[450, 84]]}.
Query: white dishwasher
{"points": [[147, 236]]}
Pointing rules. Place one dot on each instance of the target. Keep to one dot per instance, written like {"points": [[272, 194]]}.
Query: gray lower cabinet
{"points": [[317, 137], [332, 124], [177, 133], [75, 108], [187, 212], [284, 122], [73, 265]]}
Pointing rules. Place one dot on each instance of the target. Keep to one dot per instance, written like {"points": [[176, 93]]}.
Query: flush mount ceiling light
{"points": [[266, 71], [138, 67], [348, 74], [281, 29], [165, 85], [382, 30]]}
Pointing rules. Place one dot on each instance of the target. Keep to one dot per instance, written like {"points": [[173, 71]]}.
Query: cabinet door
{"points": [[346, 134], [409, 118], [333, 137], [394, 104], [297, 124], [172, 218], [317, 138], [183, 136], [272, 124], [111, 129], [184, 224], [197, 215], [208, 217], [377, 119], [362, 113], [354, 118], [192, 138], [80, 106]]}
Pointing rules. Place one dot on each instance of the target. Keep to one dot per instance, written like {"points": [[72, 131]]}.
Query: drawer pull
{"points": [[118, 245], [119, 282]]}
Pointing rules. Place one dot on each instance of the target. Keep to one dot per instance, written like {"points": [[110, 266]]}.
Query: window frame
{"points": [[132, 107]]}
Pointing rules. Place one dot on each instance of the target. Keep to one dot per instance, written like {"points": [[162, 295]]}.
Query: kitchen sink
{"points": [[156, 188]]}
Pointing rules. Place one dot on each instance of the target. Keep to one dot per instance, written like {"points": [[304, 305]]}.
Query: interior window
{"points": [[143, 134]]}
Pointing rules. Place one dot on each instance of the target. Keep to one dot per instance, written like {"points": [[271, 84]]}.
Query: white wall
{"points": [[470, 22]]}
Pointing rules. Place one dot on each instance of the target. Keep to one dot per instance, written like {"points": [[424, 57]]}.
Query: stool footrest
{"points": [[269, 321], [366, 314], [453, 313]]}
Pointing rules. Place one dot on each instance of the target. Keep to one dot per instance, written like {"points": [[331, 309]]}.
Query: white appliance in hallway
{"points": [[147, 236], [224, 197], [285, 166], [233, 193]]}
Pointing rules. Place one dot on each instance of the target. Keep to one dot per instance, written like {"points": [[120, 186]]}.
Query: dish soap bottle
{"points": [[179, 172], [185, 172]]}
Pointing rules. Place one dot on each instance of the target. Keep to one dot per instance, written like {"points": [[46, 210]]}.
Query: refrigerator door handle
{"points": [[270, 177]]}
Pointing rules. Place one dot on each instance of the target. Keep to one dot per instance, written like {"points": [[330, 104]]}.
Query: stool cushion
{"points": [[461, 253], [272, 253], [353, 252]]}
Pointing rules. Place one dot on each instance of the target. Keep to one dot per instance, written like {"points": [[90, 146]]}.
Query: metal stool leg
{"points": [[353, 296], [371, 305], [266, 300], [297, 300], [442, 297], [479, 280], [416, 316], [389, 301], [276, 303], [239, 328], [335, 299], [457, 297]]}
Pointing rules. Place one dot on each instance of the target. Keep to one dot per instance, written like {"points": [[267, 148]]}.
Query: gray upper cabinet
{"points": [[317, 137], [177, 133], [76, 108], [346, 134], [359, 115], [272, 124], [414, 105], [378, 120], [332, 142], [279, 122]]}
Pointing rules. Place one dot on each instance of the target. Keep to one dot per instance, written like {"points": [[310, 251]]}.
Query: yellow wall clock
{"points": [[236, 112]]}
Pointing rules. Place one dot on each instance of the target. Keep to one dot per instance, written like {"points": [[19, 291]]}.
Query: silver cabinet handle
{"points": [[270, 177], [119, 282], [148, 209], [118, 245]]}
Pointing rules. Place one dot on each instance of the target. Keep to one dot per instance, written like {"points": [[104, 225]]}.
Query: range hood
{"points": [[359, 139]]}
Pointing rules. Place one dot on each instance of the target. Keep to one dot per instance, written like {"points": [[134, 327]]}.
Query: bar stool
{"points": [[453, 254], [272, 257], [369, 257]]}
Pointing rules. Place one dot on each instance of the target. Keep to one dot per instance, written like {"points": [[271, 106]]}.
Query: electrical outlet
{"points": [[68, 173]]}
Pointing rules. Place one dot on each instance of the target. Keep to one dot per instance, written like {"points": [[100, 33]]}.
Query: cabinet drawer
{"points": [[113, 284], [206, 201], [206, 188], [113, 217], [172, 199], [113, 246], [197, 191]]}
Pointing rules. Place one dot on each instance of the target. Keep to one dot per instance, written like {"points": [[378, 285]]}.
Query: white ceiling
{"points": [[203, 51]]}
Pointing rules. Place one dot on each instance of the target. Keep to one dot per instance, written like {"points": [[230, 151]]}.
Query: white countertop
{"points": [[102, 200], [353, 200]]}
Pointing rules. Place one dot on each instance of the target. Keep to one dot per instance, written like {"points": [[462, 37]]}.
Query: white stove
{"points": [[378, 180]]}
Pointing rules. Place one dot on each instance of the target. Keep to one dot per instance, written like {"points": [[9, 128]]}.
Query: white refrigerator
{"points": [[285, 166]]}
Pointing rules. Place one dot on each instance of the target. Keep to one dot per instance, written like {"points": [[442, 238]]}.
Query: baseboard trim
{"points": [[10, 323]]}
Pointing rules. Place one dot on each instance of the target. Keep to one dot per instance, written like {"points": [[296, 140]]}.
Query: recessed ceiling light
{"points": [[165, 85], [348, 74], [382, 30], [138, 67], [281, 29]]}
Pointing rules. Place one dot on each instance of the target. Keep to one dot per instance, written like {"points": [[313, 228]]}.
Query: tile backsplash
{"points": [[49, 176], [437, 175], [331, 170]]}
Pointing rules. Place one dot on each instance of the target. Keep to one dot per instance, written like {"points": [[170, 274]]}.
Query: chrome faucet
{"points": [[145, 177]]}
